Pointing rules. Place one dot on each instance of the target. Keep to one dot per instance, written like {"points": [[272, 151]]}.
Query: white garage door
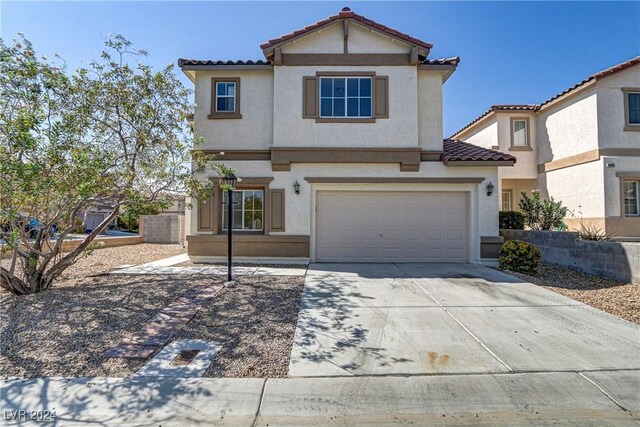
{"points": [[391, 226]]}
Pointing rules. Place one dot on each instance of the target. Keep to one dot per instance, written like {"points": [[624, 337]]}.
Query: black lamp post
{"points": [[230, 181]]}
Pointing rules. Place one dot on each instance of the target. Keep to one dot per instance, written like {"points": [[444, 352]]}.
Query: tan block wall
{"points": [[165, 228], [104, 242]]}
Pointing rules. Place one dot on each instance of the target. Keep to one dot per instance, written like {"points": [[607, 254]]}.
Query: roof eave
{"points": [[478, 163], [203, 67], [445, 69]]}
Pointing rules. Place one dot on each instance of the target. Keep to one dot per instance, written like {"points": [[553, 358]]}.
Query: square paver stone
{"points": [[164, 363], [130, 351]]}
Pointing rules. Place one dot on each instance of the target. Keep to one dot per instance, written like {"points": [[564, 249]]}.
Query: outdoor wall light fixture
{"points": [[296, 187], [489, 188]]}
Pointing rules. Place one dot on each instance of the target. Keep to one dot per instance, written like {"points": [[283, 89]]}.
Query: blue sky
{"points": [[512, 52]]}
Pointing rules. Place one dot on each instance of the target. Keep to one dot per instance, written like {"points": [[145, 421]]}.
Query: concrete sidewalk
{"points": [[215, 270], [604, 398]]}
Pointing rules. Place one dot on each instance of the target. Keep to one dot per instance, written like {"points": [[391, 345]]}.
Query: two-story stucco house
{"points": [[337, 137], [581, 147]]}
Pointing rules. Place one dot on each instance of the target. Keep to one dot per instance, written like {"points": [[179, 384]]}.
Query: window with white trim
{"points": [[225, 97], [520, 136], [345, 97], [631, 202], [247, 209], [506, 201]]}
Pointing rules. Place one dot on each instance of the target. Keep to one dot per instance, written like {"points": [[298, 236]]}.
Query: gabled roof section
{"points": [[348, 14], [537, 107], [599, 75], [458, 151], [494, 108]]}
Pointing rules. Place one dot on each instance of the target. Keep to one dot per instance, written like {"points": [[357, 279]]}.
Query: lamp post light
{"points": [[230, 181]]}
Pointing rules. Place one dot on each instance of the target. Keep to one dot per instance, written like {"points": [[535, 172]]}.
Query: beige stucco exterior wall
{"points": [[300, 208], [430, 120], [331, 40], [613, 205], [485, 136], [580, 188], [364, 40], [254, 130], [568, 128], [517, 186], [526, 166], [611, 114], [399, 130]]}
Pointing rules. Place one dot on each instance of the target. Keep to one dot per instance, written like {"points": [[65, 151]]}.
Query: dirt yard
{"points": [[618, 298]]}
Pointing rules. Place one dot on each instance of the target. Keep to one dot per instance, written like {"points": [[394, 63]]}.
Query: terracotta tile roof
{"points": [[346, 13], [454, 60], [182, 62], [536, 107], [456, 150], [600, 74], [504, 107]]}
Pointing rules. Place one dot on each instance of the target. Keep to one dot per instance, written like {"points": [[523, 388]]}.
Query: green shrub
{"points": [[511, 220], [592, 232], [516, 255], [544, 214]]}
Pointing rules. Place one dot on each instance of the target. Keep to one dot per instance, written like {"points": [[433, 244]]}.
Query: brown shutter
{"points": [[205, 215], [276, 210], [381, 97], [309, 97]]}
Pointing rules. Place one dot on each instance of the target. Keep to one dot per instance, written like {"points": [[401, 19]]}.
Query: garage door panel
{"points": [[396, 227]]}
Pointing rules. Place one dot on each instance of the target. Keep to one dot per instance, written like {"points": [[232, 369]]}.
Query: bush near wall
{"points": [[516, 255], [511, 220]]}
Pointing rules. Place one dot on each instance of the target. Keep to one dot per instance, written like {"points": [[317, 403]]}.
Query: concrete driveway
{"points": [[385, 319]]}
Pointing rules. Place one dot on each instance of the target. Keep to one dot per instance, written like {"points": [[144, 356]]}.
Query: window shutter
{"points": [[309, 97], [381, 97], [276, 210], [205, 215]]}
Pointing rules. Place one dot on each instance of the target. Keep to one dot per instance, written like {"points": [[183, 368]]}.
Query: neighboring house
{"points": [[94, 216], [338, 140], [177, 205], [581, 147]]}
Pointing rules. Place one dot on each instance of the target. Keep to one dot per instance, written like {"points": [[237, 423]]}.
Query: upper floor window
{"points": [[225, 98], [345, 97], [519, 133], [631, 109]]}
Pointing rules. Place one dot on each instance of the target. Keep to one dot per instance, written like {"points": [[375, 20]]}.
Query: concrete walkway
{"points": [[216, 270], [388, 319], [558, 398]]}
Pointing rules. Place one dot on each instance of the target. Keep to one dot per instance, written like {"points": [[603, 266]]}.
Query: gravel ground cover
{"points": [[254, 322], [617, 298], [65, 330], [103, 260]]}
